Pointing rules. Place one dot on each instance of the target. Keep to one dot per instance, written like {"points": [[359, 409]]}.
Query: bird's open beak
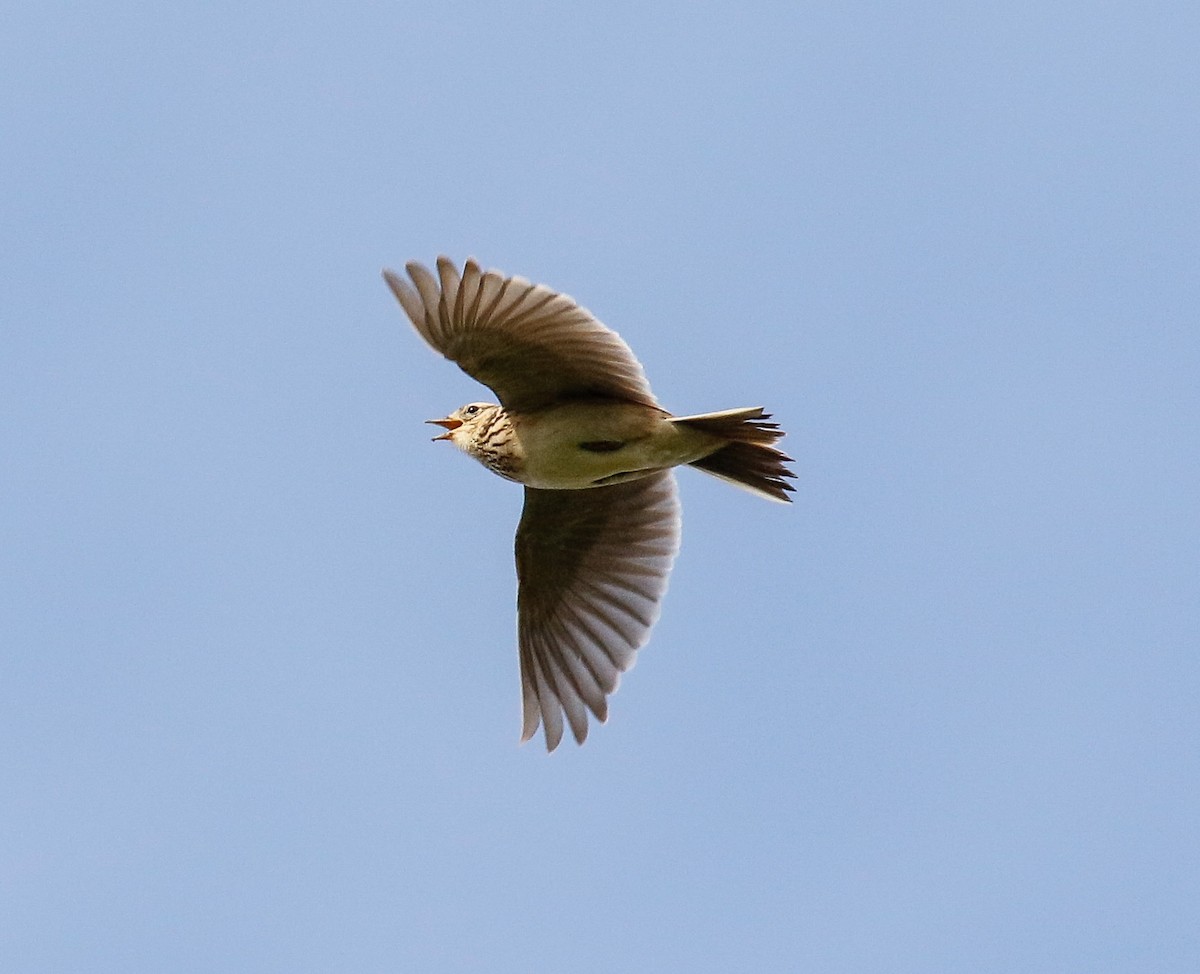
{"points": [[450, 425]]}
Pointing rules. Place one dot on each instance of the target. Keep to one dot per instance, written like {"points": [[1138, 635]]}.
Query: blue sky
{"points": [[259, 703]]}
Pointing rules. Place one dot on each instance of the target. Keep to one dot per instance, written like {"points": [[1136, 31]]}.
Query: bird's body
{"points": [[579, 444], [578, 426]]}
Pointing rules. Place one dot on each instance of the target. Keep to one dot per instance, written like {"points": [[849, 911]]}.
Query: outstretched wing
{"points": [[592, 567], [532, 346]]}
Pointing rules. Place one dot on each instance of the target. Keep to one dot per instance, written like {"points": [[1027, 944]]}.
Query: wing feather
{"points": [[532, 345], [592, 568]]}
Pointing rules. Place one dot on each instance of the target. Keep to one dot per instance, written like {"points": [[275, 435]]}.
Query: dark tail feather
{"points": [[739, 425], [749, 460], [757, 468]]}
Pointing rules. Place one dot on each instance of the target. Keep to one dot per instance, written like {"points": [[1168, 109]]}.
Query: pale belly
{"points": [[582, 445]]}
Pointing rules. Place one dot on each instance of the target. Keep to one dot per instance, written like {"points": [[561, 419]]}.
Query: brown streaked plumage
{"points": [[578, 426]]}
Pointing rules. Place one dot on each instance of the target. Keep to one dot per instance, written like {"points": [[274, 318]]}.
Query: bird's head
{"points": [[467, 423]]}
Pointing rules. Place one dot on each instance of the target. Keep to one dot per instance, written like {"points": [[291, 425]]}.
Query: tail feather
{"points": [[740, 425], [748, 459]]}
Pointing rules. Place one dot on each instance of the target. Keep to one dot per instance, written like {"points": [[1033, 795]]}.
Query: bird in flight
{"points": [[578, 426]]}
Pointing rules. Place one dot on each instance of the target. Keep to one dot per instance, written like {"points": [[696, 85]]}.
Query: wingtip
{"points": [[424, 279], [392, 279]]}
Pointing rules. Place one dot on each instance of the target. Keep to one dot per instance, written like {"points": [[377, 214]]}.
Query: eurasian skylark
{"points": [[578, 426]]}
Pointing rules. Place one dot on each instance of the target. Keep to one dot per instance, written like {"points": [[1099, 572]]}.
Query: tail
{"points": [[748, 460]]}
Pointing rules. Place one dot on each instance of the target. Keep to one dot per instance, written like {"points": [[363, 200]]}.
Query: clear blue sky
{"points": [[259, 704]]}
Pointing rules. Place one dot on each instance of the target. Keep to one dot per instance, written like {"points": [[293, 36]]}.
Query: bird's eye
{"points": [[472, 410]]}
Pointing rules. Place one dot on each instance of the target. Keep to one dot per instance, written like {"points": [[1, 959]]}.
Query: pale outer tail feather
{"points": [[749, 460]]}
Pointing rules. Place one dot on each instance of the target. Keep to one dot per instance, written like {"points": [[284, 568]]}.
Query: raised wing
{"points": [[592, 567], [532, 346]]}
